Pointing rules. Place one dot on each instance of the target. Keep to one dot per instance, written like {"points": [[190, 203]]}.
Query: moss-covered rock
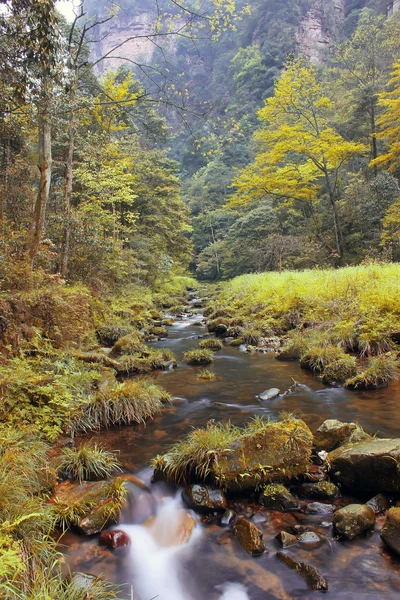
{"points": [[240, 459], [277, 497], [323, 490], [333, 433], [198, 357], [353, 520], [90, 506], [370, 466], [126, 345], [379, 503], [249, 536], [109, 335], [205, 499], [211, 344], [390, 532]]}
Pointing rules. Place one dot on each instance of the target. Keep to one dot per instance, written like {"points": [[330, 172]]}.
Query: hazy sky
{"points": [[66, 8]]}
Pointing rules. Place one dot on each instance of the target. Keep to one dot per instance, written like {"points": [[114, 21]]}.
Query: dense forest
{"points": [[178, 180]]}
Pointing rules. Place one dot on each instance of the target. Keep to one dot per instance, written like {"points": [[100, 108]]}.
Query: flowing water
{"points": [[212, 565]]}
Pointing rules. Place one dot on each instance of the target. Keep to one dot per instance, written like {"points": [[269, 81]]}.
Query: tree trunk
{"points": [[374, 147], [68, 195], [336, 219], [45, 162]]}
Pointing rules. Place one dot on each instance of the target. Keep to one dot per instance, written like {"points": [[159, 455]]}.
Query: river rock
{"points": [[390, 532], [379, 503], [310, 540], [318, 508], [81, 582], [286, 539], [98, 499], [370, 466], [323, 490], [311, 574], [221, 330], [289, 353], [228, 517], [277, 497], [333, 433], [249, 536], [278, 452], [269, 394], [114, 539], [204, 499], [353, 520]]}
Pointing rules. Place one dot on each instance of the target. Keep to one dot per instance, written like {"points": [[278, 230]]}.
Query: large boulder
{"points": [[353, 520], [205, 499], [370, 466], [333, 433], [249, 536], [390, 532], [277, 453]]}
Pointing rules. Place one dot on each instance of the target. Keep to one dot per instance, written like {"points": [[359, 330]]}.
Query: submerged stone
{"points": [[318, 508], [277, 497], [353, 520], [333, 433], [228, 517], [249, 536], [310, 540], [176, 533], [311, 574], [390, 533], [370, 466], [205, 499]]}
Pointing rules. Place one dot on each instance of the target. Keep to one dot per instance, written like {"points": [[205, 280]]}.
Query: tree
{"points": [[389, 100], [299, 154]]}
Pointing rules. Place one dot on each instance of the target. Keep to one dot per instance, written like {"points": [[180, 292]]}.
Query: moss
{"points": [[130, 344], [109, 335], [237, 342], [211, 344], [198, 357]]}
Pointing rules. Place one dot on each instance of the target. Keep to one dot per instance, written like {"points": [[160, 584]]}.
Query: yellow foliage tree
{"points": [[389, 122], [300, 154]]}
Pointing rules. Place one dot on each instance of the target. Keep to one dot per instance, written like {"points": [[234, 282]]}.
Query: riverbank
{"points": [[343, 324]]}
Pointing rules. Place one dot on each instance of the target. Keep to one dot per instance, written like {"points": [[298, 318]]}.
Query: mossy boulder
{"points": [[126, 345], [90, 505], [353, 520], [333, 433], [109, 335], [277, 497], [249, 536], [204, 498], [323, 490], [390, 533], [198, 357], [276, 453], [370, 466]]}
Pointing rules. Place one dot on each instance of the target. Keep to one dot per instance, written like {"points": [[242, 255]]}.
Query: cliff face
{"points": [[393, 7], [318, 29]]}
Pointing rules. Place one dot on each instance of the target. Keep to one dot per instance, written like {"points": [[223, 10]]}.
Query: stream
{"points": [[212, 565]]}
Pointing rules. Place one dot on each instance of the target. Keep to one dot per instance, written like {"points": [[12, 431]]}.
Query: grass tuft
{"points": [[198, 357], [211, 344], [88, 462]]}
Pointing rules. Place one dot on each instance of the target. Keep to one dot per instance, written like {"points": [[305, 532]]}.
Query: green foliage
{"points": [[87, 462], [340, 370], [198, 357]]}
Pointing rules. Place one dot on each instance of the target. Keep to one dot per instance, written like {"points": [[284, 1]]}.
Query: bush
{"points": [[198, 357], [211, 344], [87, 462]]}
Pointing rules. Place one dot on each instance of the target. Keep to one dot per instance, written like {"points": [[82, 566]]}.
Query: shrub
{"points": [[198, 357], [87, 462], [211, 344]]}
